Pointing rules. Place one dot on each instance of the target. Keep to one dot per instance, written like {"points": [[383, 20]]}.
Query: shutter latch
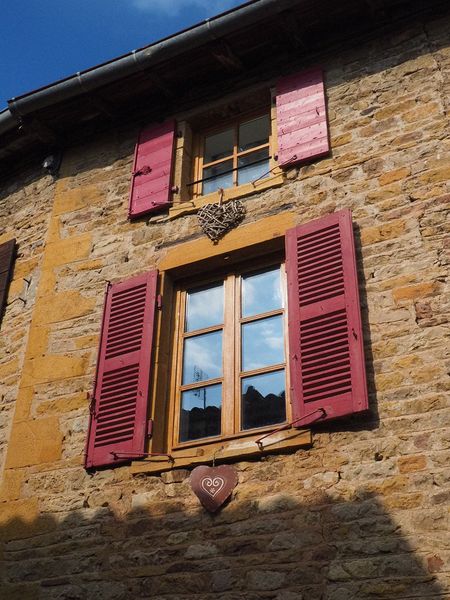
{"points": [[145, 170], [149, 428], [159, 302]]}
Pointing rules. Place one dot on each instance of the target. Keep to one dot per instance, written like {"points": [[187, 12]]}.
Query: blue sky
{"points": [[45, 40]]}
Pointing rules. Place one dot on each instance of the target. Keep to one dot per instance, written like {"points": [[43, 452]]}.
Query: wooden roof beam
{"points": [[103, 106], [162, 85], [290, 30], [224, 54], [41, 131], [376, 7]]}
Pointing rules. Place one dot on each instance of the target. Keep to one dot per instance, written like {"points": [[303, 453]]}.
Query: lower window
{"points": [[230, 356]]}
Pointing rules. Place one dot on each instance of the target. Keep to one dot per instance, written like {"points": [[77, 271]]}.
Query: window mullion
{"points": [[254, 149], [228, 358]]}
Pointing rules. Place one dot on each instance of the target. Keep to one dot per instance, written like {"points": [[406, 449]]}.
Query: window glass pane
{"points": [[202, 357], [261, 292], [263, 400], [201, 413], [218, 146], [252, 166], [254, 133], [219, 178], [262, 343], [204, 308]]}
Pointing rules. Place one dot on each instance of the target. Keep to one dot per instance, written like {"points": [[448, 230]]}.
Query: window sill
{"points": [[238, 449], [179, 209]]}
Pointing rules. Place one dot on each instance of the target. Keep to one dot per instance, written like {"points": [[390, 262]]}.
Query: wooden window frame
{"points": [[188, 198], [233, 124], [231, 350]]}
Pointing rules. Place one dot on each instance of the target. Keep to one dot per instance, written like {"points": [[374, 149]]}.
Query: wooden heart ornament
{"points": [[217, 219], [213, 485]]}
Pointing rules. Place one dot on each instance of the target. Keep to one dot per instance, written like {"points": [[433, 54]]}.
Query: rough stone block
{"points": [[34, 442], [67, 251], [63, 307], [412, 292], [409, 464]]}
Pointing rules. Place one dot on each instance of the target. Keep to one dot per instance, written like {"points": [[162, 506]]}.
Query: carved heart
{"points": [[217, 219], [213, 485]]}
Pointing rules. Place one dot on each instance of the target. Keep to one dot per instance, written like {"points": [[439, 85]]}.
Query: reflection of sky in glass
{"points": [[262, 343], [202, 397], [202, 358], [247, 171], [261, 292], [204, 308], [268, 383], [218, 176]]}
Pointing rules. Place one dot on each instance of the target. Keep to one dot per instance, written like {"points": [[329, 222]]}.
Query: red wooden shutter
{"points": [[118, 422], [301, 117], [6, 263], [152, 170], [325, 333]]}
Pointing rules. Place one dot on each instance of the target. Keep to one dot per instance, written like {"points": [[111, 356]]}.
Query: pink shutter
{"points": [[301, 117], [325, 333], [152, 170], [118, 425]]}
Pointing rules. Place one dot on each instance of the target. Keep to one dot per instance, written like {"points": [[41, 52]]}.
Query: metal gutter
{"points": [[139, 60], [7, 121]]}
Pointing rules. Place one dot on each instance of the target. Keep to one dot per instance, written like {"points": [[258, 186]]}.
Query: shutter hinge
{"points": [[92, 403], [149, 428], [159, 302]]}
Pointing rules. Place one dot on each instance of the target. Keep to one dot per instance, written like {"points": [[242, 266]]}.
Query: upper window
{"points": [[230, 356], [234, 155], [240, 146]]}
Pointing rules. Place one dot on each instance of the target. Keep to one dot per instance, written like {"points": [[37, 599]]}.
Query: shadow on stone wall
{"points": [[274, 548]]}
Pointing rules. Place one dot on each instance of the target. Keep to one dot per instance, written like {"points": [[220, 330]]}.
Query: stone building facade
{"points": [[358, 509]]}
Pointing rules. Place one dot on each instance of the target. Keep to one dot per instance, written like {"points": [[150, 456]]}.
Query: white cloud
{"points": [[172, 8]]}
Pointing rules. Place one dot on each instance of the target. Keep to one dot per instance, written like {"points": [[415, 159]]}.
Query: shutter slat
{"points": [[7, 253], [301, 117], [118, 422], [325, 332], [152, 170]]}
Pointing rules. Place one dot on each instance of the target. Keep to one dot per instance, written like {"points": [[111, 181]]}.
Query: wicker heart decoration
{"points": [[213, 485], [217, 219]]}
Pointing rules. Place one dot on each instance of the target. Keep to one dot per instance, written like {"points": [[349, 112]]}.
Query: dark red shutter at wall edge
{"points": [[7, 253], [118, 422], [326, 359]]}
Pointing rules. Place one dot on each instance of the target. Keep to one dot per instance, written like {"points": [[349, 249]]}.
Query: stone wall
{"points": [[361, 514], [24, 215]]}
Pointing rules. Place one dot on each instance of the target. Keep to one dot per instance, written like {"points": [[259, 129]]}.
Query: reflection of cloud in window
{"points": [[203, 358], [205, 307], [263, 343], [262, 292]]}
